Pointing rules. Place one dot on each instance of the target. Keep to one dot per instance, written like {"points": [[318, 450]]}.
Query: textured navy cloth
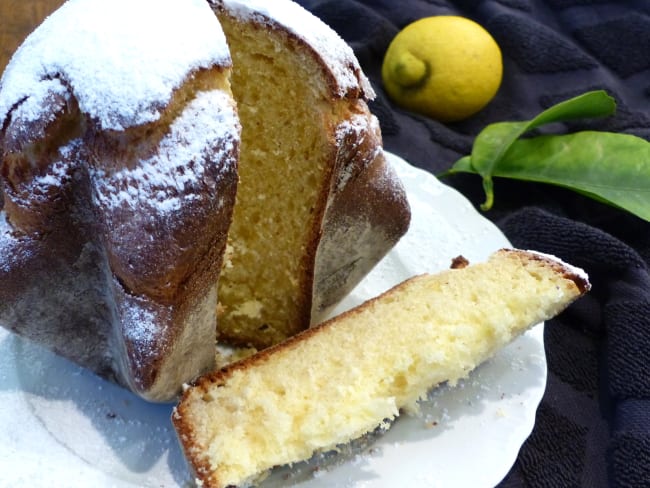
{"points": [[593, 424]]}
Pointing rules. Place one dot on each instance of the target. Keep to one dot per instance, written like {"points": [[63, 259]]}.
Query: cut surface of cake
{"points": [[318, 206], [119, 148], [341, 379]]}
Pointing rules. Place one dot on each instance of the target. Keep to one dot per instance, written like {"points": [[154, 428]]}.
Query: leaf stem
{"points": [[488, 188]]}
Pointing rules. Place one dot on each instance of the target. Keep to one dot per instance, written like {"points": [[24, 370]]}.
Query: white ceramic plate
{"points": [[62, 426]]}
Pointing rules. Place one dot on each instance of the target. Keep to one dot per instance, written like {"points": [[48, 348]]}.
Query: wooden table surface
{"points": [[17, 19]]}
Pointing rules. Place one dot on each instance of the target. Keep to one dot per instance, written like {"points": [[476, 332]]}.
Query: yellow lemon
{"points": [[446, 67]]}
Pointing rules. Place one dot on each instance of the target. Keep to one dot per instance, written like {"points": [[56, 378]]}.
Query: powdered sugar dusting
{"points": [[56, 176], [31, 109], [177, 173], [11, 253], [336, 53], [121, 59], [143, 328], [6, 243], [579, 272], [358, 125], [389, 179]]}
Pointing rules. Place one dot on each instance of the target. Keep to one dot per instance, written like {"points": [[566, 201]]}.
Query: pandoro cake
{"points": [[129, 185]]}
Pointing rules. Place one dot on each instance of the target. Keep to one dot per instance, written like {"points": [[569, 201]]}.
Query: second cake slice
{"points": [[340, 380]]}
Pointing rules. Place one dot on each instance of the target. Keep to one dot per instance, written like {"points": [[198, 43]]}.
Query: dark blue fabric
{"points": [[593, 424]]}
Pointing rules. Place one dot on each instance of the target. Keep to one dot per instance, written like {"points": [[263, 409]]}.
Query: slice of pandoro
{"points": [[339, 380]]}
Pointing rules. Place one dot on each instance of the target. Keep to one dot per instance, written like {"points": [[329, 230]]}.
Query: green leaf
{"points": [[493, 142], [463, 165], [609, 167]]}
